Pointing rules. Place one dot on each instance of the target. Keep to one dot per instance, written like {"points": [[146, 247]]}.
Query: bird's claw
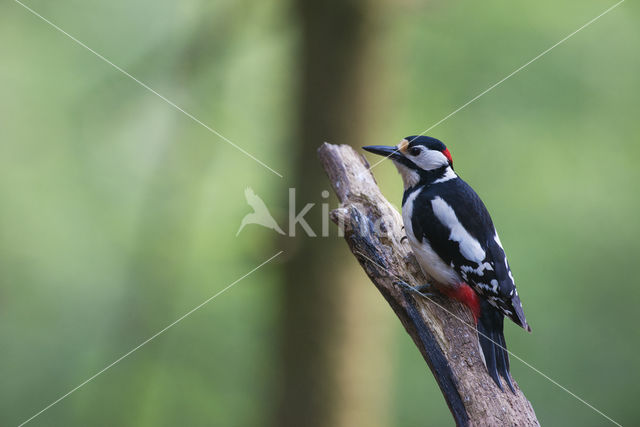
{"points": [[425, 289], [420, 290]]}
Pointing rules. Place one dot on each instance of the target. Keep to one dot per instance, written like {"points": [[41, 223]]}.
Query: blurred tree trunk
{"points": [[324, 332]]}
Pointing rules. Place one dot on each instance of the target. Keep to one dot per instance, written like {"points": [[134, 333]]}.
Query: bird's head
{"points": [[416, 157]]}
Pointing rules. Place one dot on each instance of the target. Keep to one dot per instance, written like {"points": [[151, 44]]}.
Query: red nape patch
{"points": [[447, 154], [467, 296]]}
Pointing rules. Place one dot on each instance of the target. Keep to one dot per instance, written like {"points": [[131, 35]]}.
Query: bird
{"points": [[260, 214], [455, 242]]}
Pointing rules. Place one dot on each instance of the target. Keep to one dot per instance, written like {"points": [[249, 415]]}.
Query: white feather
{"points": [[409, 176], [448, 175], [429, 159], [429, 260]]}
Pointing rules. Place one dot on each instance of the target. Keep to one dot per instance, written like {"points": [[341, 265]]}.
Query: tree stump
{"points": [[442, 329]]}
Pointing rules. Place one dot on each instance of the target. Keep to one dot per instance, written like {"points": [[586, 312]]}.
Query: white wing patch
{"points": [[470, 248], [479, 271], [429, 260]]}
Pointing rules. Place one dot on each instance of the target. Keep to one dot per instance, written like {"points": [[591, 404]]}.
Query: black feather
{"points": [[475, 219], [449, 219], [503, 366], [492, 342]]}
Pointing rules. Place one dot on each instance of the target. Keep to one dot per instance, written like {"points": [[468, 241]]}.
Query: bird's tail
{"points": [[492, 343]]}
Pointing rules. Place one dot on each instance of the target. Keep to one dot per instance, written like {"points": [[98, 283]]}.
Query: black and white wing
{"points": [[459, 229]]}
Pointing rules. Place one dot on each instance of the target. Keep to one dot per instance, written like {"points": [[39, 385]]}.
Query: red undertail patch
{"points": [[466, 295]]}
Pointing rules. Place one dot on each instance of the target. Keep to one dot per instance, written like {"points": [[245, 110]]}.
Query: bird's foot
{"points": [[421, 290], [425, 289]]}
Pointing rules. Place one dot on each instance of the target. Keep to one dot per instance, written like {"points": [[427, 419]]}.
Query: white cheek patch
{"points": [[430, 159], [470, 248]]}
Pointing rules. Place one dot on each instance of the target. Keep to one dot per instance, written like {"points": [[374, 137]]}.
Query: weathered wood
{"points": [[442, 329]]}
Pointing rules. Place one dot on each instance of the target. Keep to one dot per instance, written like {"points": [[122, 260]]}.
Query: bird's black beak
{"points": [[383, 150]]}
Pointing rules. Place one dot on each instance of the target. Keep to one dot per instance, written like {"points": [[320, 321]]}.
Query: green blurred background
{"points": [[118, 213]]}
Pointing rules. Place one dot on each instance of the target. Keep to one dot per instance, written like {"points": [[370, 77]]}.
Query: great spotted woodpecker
{"points": [[454, 240]]}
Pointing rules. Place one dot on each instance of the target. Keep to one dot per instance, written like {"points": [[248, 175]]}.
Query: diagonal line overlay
{"points": [[508, 76], [171, 103], [473, 327], [160, 332]]}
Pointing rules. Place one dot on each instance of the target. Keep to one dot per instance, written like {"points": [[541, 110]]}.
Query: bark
{"points": [[442, 329]]}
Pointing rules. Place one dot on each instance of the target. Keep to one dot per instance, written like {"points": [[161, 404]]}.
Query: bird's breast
{"points": [[430, 262]]}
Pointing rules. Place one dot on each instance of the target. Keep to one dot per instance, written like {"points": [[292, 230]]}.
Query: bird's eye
{"points": [[415, 151]]}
